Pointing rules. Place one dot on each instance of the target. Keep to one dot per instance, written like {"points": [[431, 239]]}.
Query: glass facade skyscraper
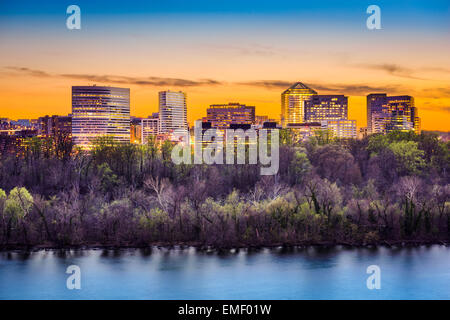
{"points": [[293, 102], [100, 111], [326, 107], [387, 113], [303, 110], [172, 112]]}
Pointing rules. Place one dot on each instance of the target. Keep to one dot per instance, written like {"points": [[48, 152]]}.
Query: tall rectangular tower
{"points": [[293, 102], [172, 112], [100, 111], [375, 103]]}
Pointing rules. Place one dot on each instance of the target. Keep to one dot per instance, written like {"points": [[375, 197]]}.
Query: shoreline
{"points": [[205, 247]]}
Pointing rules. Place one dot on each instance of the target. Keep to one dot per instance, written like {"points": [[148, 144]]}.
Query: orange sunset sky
{"points": [[220, 57]]}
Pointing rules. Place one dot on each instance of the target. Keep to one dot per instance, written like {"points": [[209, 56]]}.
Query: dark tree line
{"points": [[383, 188]]}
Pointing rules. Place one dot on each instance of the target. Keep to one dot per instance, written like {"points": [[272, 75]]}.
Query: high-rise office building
{"points": [[403, 113], [62, 125], [293, 102], [378, 123], [341, 128], [387, 113], [398, 123], [149, 127], [417, 122], [375, 103], [222, 116], [172, 113], [326, 107], [55, 125], [135, 130], [45, 126], [100, 111]]}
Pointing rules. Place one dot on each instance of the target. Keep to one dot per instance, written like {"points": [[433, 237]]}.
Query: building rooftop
{"points": [[301, 86]]}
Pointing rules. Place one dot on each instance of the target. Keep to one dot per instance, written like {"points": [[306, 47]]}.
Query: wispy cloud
{"points": [[402, 71], [355, 89], [276, 84], [143, 81], [435, 69], [31, 72], [248, 50], [435, 106], [118, 79], [351, 89], [393, 69], [436, 92]]}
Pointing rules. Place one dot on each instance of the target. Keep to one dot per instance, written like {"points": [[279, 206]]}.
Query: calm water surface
{"points": [[338, 273]]}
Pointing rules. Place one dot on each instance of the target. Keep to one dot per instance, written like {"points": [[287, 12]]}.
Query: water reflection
{"points": [[313, 272]]}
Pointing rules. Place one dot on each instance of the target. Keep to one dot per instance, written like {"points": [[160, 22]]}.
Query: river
{"points": [[159, 273]]}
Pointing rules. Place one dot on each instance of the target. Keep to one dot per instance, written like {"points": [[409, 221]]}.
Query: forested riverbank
{"points": [[383, 189]]}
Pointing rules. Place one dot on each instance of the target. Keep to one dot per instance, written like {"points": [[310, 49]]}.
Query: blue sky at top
{"points": [[404, 13], [46, 7]]}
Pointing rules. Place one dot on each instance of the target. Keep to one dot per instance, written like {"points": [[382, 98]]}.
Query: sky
{"points": [[221, 51]]}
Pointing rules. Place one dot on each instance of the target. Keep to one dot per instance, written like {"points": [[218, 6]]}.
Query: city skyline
{"points": [[318, 108], [356, 109], [226, 52], [327, 101], [101, 111]]}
